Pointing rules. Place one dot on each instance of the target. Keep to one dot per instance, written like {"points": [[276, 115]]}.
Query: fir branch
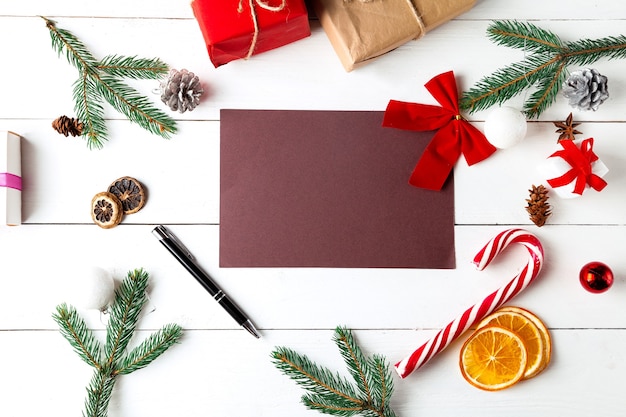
{"points": [[355, 361], [89, 110], [525, 36], [150, 349], [99, 395], [588, 51], [129, 300], [319, 381], [382, 382], [133, 67], [546, 93], [506, 83], [134, 106], [75, 331], [125, 311], [332, 394], [544, 69], [101, 81], [76, 52]]}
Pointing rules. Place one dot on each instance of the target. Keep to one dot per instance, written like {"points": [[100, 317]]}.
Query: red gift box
{"points": [[235, 29]]}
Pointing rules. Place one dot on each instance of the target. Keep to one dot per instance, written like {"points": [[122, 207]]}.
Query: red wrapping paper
{"points": [[229, 29]]}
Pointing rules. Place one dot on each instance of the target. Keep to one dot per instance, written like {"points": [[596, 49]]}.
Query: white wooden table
{"points": [[219, 369]]}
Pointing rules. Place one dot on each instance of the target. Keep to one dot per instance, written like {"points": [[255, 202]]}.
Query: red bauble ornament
{"points": [[596, 277]]}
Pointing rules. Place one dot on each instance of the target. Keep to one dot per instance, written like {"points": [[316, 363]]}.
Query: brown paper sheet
{"points": [[361, 31], [327, 189]]}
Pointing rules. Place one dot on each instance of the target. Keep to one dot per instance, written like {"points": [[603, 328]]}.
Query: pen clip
{"points": [[167, 234]]}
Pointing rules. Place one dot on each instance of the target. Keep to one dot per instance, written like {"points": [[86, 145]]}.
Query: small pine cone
{"points": [[181, 90], [68, 126], [538, 207], [586, 89]]}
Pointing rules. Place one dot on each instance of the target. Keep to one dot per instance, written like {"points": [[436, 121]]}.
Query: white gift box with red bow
{"points": [[574, 169], [10, 179]]}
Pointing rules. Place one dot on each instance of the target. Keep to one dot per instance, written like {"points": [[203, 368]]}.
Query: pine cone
{"points": [[181, 90], [538, 206], [68, 126], [586, 89]]}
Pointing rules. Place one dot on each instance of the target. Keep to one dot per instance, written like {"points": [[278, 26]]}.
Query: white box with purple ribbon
{"points": [[10, 179]]}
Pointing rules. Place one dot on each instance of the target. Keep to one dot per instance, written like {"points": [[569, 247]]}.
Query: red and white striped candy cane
{"points": [[493, 301]]}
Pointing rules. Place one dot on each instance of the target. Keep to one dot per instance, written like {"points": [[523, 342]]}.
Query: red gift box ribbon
{"points": [[10, 181], [455, 135], [580, 159]]}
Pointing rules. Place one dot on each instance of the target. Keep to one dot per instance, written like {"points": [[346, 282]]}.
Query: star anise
{"points": [[567, 129]]}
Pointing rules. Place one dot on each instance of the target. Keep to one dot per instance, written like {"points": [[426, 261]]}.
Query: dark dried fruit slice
{"points": [[106, 210], [130, 192]]}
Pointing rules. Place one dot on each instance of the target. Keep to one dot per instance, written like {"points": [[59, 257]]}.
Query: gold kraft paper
{"points": [[360, 31]]}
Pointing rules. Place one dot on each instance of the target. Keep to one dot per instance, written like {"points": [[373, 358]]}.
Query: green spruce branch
{"points": [[329, 392], [101, 80], [544, 69], [112, 359]]}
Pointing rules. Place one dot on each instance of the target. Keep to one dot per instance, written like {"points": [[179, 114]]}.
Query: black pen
{"points": [[183, 256]]}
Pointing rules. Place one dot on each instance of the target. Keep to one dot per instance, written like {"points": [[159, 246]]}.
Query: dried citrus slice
{"points": [[546, 340], [493, 358], [526, 330], [106, 210], [130, 192]]}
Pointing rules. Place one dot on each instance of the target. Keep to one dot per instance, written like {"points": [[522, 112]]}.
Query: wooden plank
{"points": [[276, 298], [229, 374], [181, 175], [282, 78]]}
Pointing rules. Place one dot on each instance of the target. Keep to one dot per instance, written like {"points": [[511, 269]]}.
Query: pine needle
{"points": [[124, 314], [101, 81], [329, 392], [150, 349], [544, 70], [132, 67], [75, 331], [112, 360], [89, 110]]}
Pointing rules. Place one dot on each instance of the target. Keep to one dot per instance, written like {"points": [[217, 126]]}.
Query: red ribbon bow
{"points": [[580, 159], [455, 135]]}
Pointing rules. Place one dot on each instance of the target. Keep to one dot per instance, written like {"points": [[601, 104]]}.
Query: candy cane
{"points": [[493, 301]]}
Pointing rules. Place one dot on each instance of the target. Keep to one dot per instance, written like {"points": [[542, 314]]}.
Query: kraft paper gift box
{"points": [[361, 30], [235, 29], [10, 179]]}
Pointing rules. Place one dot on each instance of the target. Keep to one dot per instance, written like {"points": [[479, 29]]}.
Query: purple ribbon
{"points": [[11, 181]]}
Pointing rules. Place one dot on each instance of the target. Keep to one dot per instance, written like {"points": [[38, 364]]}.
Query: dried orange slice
{"points": [[106, 210], [130, 192], [493, 358], [525, 334]]}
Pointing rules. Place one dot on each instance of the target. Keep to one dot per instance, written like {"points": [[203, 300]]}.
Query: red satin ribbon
{"points": [[455, 135], [580, 159]]}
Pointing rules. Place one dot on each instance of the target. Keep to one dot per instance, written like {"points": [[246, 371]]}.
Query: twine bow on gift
{"points": [[580, 160], [264, 5], [10, 181], [455, 135]]}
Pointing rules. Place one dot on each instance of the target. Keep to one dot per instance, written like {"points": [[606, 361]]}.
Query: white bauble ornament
{"points": [[505, 127], [91, 288]]}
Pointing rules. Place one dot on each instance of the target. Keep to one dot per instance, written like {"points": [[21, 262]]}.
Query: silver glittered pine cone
{"points": [[181, 90], [586, 89]]}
